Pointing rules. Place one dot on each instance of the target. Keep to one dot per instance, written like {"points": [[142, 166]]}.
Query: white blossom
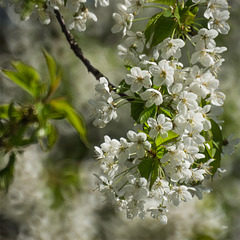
{"points": [[140, 143], [123, 20], [159, 214], [133, 6], [136, 188], [163, 73], [215, 5], [152, 96], [231, 143], [138, 79], [205, 39], [160, 126], [135, 40], [171, 48], [179, 194], [218, 22]]}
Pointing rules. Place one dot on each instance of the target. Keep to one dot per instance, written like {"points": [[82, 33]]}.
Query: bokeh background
{"points": [[42, 204]]}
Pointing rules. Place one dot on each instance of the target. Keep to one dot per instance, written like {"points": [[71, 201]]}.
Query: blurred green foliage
{"points": [[24, 124]]}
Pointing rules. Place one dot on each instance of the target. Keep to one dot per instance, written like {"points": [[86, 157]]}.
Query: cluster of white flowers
{"points": [[166, 160], [104, 110], [78, 9], [173, 152]]}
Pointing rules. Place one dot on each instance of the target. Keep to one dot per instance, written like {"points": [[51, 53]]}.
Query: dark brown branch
{"points": [[78, 52], [75, 47]]}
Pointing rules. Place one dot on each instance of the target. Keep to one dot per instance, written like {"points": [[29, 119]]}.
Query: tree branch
{"points": [[78, 52], [75, 47]]}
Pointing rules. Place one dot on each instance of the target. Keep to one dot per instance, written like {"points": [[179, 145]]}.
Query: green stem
{"points": [[155, 6], [140, 19]]}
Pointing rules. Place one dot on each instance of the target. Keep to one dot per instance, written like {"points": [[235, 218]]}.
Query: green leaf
{"points": [[75, 119], [167, 112], [55, 75], [48, 138], [26, 77], [123, 87], [186, 16], [145, 167], [136, 109], [151, 26], [147, 113], [48, 112], [161, 151], [171, 136], [154, 173], [4, 111], [167, 13], [160, 28], [13, 114], [216, 134], [6, 174], [51, 64]]}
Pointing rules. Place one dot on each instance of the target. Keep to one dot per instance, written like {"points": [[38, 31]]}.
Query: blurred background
{"points": [[44, 203]]}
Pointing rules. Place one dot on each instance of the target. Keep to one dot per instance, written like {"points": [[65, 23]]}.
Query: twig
{"points": [[75, 47], [78, 52]]}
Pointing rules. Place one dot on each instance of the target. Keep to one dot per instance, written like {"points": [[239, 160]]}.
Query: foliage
{"points": [[24, 124]]}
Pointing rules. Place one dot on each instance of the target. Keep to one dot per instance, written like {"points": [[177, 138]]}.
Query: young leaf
{"points": [[6, 174], [4, 111], [162, 28], [75, 119], [167, 112], [48, 138], [55, 75], [147, 113], [171, 135], [26, 77], [48, 112], [51, 64], [186, 16], [151, 26]]}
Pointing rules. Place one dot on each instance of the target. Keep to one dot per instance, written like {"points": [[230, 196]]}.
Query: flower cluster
{"points": [[176, 147], [78, 9], [104, 110]]}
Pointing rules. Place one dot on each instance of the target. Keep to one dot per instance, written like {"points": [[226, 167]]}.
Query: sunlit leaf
{"points": [[54, 73], [167, 112], [26, 77], [171, 136], [74, 118], [4, 111]]}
